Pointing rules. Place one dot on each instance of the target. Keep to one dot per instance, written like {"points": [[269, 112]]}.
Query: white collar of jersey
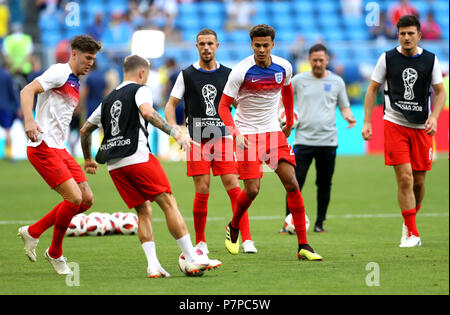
{"points": [[419, 50], [123, 84], [196, 65]]}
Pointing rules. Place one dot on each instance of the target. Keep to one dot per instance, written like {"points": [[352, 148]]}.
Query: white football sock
{"points": [[150, 253], [186, 247]]}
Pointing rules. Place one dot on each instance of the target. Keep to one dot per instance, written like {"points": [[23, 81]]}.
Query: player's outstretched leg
{"points": [[195, 262], [286, 173]]}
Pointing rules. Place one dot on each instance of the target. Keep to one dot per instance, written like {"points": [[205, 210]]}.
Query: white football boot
{"points": [[203, 247], [29, 242], [404, 234], [58, 264], [157, 272], [203, 260], [249, 247], [412, 241]]}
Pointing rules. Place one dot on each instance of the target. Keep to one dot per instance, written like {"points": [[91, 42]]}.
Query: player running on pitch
{"points": [[201, 85], [136, 173], [58, 96], [255, 84]]}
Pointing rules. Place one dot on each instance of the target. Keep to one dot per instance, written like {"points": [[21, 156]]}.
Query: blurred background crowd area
{"points": [[36, 33]]}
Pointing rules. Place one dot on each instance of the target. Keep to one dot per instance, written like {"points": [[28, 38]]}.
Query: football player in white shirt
{"points": [[409, 123], [57, 90], [211, 152], [139, 176], [256, 84]]}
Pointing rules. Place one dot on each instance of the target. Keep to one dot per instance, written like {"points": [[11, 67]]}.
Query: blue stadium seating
{"points": [[310, 18], [238, 36], [188, 9]]}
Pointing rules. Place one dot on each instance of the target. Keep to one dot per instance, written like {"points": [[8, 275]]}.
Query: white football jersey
{"points": [[56, 104], [257, 92]]}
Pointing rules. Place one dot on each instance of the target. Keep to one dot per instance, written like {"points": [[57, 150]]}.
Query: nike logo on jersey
{"points": [[253, 80]]}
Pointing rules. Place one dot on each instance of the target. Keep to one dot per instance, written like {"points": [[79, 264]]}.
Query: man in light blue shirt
{"points": [[318, 92]]}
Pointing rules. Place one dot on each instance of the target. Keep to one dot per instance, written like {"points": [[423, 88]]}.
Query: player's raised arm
{"points": [[369, 105], [153, 117]]}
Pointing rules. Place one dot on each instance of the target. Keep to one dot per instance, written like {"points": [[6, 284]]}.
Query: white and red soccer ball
{"points": [[95, 224], [77, 226], [282, 118], [289, 223], [128, 224]]}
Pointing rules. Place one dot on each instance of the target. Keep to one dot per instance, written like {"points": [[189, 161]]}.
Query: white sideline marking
{"points": [[268, 218]]}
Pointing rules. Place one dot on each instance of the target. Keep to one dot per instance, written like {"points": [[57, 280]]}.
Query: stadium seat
{"points": [[50, 38], [189, 22], [116, 6], [326, 6], [189, 35], [281, 21], [440, 6], [329, 20], [357, 34], [214, 21], [260, 18], [279, 7], [305, 23], [239, 36], [352, 22], [333, 34], [48, 24], [190, 9], [260, 7], [422, 7], [210, 7], [285, 35], [303, 7]]}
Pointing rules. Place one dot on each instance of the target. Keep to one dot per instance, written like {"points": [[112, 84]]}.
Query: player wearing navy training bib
{"points": [[256, 84], [58, 91], [201, 86], [136, 173], [408, 72]]}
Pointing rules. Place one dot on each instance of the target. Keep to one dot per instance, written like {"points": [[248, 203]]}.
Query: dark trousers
{"points": [[325, 159]]}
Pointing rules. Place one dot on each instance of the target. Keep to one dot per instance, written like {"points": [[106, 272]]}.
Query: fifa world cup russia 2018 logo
{"points": [[209, 93], [409, 76], [116, 109]]}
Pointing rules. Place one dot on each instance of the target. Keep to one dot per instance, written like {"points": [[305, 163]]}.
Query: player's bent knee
{"points": [[252, 192]]}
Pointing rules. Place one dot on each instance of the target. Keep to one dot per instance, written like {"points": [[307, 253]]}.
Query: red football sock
{"points": [[43, 224], [418, 208], [244, 224], [200, 214], [83, 208], [297, 208], [64, 215], [409, 217], [241, 206]]}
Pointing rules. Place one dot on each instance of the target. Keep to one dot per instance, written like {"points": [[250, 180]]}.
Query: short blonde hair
{"points": [[134, 62]]}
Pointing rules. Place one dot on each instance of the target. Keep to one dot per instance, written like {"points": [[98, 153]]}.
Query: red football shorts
{"points": [[407, 145], [55, 165], [270, 147], [140, 182], [217, 154]]}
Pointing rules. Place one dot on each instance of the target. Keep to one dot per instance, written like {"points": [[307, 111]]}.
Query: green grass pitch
{"points": [[364, 227]]}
